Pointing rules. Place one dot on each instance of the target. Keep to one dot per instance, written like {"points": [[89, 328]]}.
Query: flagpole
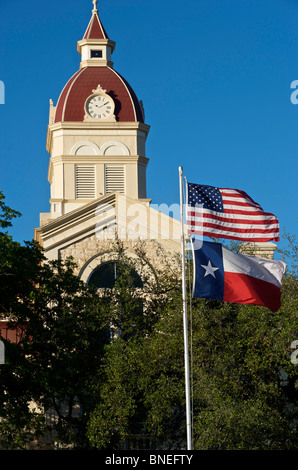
{"points": [[185, 325]]}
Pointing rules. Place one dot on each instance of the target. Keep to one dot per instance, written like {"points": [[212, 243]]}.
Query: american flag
{"points": [[228, 213]]}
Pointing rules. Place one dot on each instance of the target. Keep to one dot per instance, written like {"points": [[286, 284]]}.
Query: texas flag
{"points": [[221, 274]]}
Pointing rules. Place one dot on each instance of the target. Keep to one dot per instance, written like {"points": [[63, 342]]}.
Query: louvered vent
{"points": [[114, 179], [85, 182]]}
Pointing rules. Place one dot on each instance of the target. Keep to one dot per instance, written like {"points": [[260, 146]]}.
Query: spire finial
{"points": [[94, 8]]}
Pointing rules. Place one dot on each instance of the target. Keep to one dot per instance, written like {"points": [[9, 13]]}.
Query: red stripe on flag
{"points": [[242, 289], [218, 234], [238, 204], [254, 212], [235, 229]]}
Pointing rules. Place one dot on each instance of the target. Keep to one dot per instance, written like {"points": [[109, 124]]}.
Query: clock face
{"points": [[99, 107]]}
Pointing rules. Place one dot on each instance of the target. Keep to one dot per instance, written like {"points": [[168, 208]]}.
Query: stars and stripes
{"points": [[228, 213]]}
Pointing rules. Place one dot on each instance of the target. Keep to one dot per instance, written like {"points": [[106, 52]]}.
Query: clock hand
{"points": [[102, 105]]}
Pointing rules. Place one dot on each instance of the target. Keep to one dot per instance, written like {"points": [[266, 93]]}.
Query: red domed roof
{"points": [[70, 106]]}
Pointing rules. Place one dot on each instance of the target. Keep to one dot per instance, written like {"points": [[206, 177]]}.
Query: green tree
{"points": [[60, 331]]}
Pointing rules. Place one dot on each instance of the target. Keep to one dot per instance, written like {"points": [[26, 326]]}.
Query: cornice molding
{"points": [[99, 125], [89, 126], [103, 42]]}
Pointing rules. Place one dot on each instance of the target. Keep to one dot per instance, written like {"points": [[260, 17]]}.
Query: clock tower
{"points": [[96, 134], [96, 139]]}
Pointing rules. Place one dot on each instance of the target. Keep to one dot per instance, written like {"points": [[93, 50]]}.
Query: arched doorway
{"points": [[106, 275]]}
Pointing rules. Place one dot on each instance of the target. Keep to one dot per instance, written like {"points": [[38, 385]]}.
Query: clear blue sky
{"points": [[214, 76]]}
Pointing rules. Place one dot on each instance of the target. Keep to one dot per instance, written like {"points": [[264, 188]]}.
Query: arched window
{"points": [[106, 275], [129, 318]]}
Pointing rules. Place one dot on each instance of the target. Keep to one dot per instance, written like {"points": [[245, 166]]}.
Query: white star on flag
{"points": [[209, 269]]}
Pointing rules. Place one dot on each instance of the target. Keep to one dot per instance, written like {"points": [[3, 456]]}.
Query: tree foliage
{"points": [[58, 328]]}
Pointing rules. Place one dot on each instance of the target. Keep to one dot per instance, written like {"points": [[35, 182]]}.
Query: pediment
{"points": [[106, 218]]}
